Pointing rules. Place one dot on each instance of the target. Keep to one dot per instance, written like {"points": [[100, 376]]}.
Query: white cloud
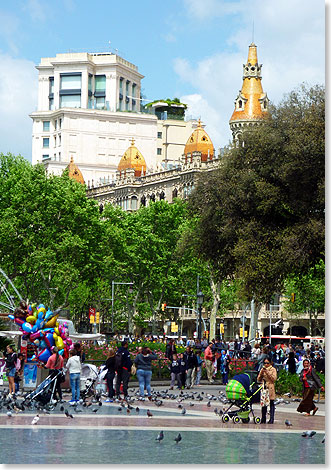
{"points": [[18, 98], [290, 40], [36, 10]]}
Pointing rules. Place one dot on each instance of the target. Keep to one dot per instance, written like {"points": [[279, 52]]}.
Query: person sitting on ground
{"points": [[74, 367]]}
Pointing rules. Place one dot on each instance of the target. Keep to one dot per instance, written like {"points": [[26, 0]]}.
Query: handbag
{"points": [[265, 398]]}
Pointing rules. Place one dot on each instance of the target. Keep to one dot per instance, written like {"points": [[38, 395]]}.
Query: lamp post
{"points": [[112, 299], [199, 302]]}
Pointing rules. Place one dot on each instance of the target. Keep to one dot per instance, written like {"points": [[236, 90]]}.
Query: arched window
{"points": [[240, 104]]}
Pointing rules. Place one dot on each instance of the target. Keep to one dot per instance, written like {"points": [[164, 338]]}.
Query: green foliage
{"points": [[261, 216], [168, 101], [288, 383]]}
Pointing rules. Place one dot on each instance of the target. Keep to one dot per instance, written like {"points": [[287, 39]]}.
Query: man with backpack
{"points": [[123, 366]]}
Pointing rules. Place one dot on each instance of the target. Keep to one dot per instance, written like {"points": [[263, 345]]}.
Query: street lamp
{"points": [[199, 302]]}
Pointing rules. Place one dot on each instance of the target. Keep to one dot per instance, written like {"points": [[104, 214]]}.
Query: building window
{"points": [[134, 203], [159, 135], [60, 123], [100, 83], [55, 124], [100, 102], [46, 142], [51, 85], [59, 156], [159, 151], [51, 104], [72, 81], [45, 157], [46, 126], [70, 101]]}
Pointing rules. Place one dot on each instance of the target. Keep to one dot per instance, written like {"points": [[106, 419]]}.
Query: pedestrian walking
{"points": [[123, 366], [197, 371], [209, 360], [311, 382], [110, 366], [11, 359], [74, 367], [191, 363], [19, 372], [143, 363], [268, 376], [182, 366], [55, 363], [175, 372]]}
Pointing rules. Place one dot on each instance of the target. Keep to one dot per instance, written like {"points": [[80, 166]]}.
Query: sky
{"points": [[190, 49]]}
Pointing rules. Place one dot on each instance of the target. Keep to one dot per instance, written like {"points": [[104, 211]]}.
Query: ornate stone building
{"points": [[251, 104], [137, 186]]}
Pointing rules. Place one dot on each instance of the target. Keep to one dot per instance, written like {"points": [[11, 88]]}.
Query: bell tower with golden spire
{"points": [[251, 105]]}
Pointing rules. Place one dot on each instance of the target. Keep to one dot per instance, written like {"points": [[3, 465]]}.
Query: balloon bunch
{"points": [[41, 328]]}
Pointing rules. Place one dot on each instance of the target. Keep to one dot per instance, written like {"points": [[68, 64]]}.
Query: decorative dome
{"points": [[132, 158], [74, 172], [200, 142], [252, 103]]}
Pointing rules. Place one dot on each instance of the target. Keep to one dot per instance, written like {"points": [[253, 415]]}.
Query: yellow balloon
{"points": [[42, 309], [57, 331], [31, 319], [59, 342], [51, 322]]}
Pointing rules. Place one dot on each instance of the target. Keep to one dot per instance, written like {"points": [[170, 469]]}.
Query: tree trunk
{"points": [[215, 289], [253, 324]]}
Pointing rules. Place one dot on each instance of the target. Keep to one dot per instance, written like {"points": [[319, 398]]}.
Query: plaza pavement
{"points": [[199, 417]]}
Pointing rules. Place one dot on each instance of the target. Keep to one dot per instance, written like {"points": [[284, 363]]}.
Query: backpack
{"points": [[118, 361]]}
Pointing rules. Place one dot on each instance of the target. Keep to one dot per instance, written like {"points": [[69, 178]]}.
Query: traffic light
{"points": [[163, 307], [97, 317], [293, 297], [222, 328]]}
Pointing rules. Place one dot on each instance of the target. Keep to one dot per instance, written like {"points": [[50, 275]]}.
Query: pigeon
{"points": [[183, 411], [191, 404], [137, 409], [95, 410], [288, 423], [46, 412], [62, 408], [323, 440], [208, 404], [180, 406], [178, 438], [160, 437], [287, 394], [216, 411], [309, 434], [128, 410], [9, 414], [35, 420], [149, 414], [100, 403], [68, 415], [119, 408]]}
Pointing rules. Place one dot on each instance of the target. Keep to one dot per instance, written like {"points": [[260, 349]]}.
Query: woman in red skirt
{"points": [[311, 383]]}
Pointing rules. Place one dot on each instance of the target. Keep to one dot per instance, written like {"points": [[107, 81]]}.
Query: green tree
{"points": [[49, 232], [261, 215]]}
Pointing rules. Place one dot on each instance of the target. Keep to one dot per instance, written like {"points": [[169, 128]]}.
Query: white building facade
{"points": [[89, 110]]}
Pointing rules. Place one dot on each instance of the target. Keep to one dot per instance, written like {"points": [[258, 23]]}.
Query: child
{"points": [[175, 372], [225, 361]]}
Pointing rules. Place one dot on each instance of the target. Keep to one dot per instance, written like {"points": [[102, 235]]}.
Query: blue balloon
{"points": [[48, 315], [26, 327]]}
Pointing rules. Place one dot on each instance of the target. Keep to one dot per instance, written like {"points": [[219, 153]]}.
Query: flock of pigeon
{"points": [[14, 406]]}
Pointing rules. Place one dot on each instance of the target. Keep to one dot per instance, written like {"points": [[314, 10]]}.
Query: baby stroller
{"points": [[242, 392], [44, 393], [88, 378]]}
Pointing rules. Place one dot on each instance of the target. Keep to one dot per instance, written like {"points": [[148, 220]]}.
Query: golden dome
{"points": [[74, 172], [200, 142], [252, 102], [132, 158]]}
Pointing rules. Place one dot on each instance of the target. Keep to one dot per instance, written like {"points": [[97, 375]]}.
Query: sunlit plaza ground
{"points": [[113, 436]]}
